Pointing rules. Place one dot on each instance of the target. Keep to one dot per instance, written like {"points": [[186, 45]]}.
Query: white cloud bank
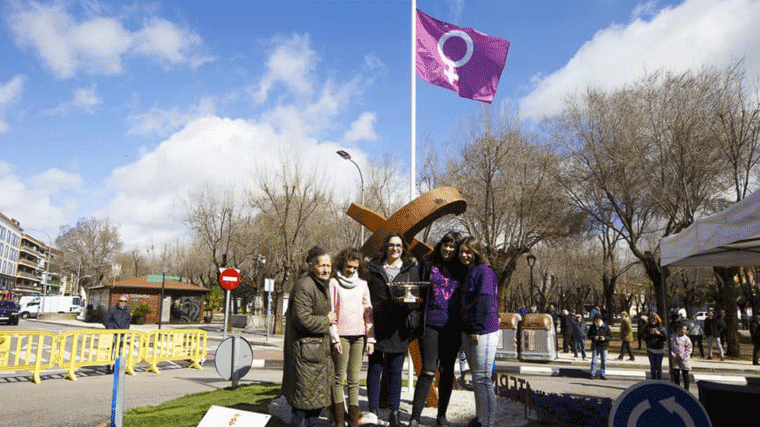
{"points": [[98, 44], [84, 99], [207, 148], [688, 36]]}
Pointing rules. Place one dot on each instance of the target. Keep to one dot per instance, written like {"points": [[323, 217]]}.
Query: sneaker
{"points": [[631, 359], [603, 377], [591, 376], [442, 422]]}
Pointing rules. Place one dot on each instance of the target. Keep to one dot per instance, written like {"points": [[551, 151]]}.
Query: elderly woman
{"points": [[308, 372]]}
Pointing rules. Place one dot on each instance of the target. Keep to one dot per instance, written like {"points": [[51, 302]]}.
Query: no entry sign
{"points": [[229, 279]]}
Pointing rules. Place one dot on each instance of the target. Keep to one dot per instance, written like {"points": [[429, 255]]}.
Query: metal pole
{"points": [[413, 97], [117, 396], [161, 303], [226, 310], [531, 287]]}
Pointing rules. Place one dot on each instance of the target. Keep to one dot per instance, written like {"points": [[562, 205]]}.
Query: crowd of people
{"points": [[345, 309]]}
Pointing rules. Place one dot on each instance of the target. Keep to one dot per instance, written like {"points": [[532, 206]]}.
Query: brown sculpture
{"points": [[409, 220]]}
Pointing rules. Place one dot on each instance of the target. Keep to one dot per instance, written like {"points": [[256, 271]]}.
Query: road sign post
{"points": [[229, 279]]}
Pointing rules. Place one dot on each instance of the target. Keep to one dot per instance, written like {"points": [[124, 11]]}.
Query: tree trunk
{"points": [[608, 283], [727, 295]]}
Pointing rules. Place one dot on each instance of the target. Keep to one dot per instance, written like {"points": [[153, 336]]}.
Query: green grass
{"points": [[187, 411]]}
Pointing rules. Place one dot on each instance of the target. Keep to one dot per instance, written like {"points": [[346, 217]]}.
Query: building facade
{"points": [[10, 241]]}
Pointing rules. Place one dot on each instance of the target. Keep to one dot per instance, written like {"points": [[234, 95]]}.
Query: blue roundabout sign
{"points": [[655, 404]]}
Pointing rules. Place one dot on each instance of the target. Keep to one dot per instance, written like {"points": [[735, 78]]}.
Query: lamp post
{"points": [[531, 262], [347, 156], [47, 268], [261, 261]]}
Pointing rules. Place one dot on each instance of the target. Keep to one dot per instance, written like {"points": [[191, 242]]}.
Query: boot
{"points": [[338, 413], [393, 419], [353, 415]]}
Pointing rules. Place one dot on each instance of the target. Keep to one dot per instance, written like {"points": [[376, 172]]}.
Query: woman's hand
{"points": [[338, 347], [370, 348], [473, 339]]}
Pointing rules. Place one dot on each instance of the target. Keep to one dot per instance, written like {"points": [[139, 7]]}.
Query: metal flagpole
{"points": [[413, 135], [413, 161]]}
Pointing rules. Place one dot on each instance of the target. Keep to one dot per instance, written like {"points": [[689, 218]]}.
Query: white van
{"points": [[30, 306]]}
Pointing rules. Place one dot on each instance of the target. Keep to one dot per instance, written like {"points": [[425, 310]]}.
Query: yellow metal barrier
{"points": [[88, 347], [26, 351], [174, 344]]}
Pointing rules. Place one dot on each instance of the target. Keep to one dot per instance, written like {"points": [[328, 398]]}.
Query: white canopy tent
{"points": [[729, 238]]}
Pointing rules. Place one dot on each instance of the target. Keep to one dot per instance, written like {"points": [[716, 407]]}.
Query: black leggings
{"points": [[675, 373], [436, 345]]}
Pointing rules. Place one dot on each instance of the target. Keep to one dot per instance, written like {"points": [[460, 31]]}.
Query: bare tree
{"points": [[89, 249], [290, 204], [508, 182]]}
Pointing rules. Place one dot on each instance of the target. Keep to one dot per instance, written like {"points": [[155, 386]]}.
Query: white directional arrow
{"points": [[636, 413], [671, 405]]}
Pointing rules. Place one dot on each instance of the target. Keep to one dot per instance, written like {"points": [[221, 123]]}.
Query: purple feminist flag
{"points": [[460, 59]]}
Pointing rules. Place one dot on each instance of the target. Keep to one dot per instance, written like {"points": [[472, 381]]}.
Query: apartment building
{"points": [[10, 241]]}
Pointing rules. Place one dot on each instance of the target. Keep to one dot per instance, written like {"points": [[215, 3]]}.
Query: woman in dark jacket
{"points": [[442, 337], [395, 322], [655, 335], [309, 371]]}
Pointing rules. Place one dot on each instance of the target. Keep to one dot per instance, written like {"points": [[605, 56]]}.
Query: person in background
{"points": [[655, 335], [567, 331], [480, 326], [309, 373], [641, 326], [117, 317], [694, 329], [713, 329], [580, 330], [440, 343], [599, 334], [680, 355], [754, 333], [350, 300], [626, 336], [396, 323]]}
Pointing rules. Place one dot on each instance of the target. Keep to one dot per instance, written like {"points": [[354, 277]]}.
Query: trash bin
{"points": [[507, 347], [538, 338]]}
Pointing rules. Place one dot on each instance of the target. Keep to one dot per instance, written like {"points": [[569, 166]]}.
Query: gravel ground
{"points": [[461, 410]]}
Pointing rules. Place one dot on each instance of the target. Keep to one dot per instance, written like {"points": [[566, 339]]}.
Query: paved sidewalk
{"points": [[268, 353]]}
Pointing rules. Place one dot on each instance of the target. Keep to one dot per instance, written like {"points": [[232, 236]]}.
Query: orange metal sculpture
{"points": [[409, 220]]}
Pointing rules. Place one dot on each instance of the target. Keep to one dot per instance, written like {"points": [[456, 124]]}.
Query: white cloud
{"points": [[362, 129], [163, 122], [291, 63], [221, 151], [167, 42], [42, 201], [687, 36], [97, 44], [10, 93], [85, 99]]}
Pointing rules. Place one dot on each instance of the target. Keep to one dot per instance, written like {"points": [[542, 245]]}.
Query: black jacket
{"points": [[117, 318], [655, 341], [395, 323], [600, 335], [714, 327]]}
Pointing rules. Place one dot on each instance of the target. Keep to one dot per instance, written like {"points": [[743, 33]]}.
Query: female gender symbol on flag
{"points": [[481, 58]]}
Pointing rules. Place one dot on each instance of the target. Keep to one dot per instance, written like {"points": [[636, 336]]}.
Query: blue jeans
{"points": [[655, 365], [481, 358], [600, 352], [395, 363], [579, 345]]}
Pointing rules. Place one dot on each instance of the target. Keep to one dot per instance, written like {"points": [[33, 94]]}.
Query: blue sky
{"points": [[119, 109]]}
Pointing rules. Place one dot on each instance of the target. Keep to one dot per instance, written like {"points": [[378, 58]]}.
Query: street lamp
{"points": [[347, 156], [261, 261], [531, 262]]}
